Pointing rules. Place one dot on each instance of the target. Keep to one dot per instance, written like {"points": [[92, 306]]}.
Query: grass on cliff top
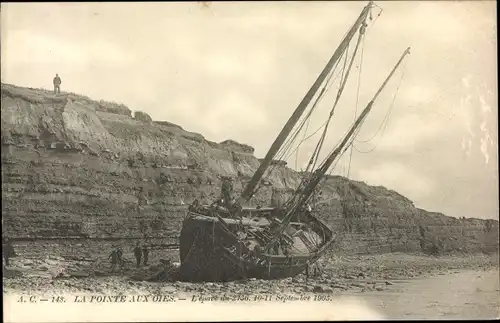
{"points": [[41, 96]]}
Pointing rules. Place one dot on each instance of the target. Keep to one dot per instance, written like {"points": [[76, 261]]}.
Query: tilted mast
{"points": [[278, 142], [303, 196]]}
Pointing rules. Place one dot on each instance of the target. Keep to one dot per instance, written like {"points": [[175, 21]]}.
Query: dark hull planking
{"points": [[208, 253]]}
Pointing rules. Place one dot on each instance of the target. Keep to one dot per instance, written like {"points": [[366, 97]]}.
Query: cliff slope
{"points": [[72, 166]]}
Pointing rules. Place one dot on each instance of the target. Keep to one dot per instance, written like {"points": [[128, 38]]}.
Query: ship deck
{"points": [[254, 221]]}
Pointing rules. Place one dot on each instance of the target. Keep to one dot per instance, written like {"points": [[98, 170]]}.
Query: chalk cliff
{"points": [[72, 166]]}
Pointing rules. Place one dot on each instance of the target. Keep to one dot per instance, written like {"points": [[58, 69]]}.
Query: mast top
{"points": [[249, 189]]}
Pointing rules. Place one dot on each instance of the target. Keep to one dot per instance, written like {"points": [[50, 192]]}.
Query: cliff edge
{"points": [[75, 167]]}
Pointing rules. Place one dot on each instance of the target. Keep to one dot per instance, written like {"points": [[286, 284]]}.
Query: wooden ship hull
{"points": [[217, 248]]}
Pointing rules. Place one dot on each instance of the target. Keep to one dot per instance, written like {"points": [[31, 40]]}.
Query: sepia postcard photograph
{"points": [[249, 161]]}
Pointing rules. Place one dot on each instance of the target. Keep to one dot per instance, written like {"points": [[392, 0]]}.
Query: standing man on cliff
{"points": [[57, 84]]}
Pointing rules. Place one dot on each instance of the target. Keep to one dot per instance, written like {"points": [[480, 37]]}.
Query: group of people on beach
{"points": [[140, 253]]}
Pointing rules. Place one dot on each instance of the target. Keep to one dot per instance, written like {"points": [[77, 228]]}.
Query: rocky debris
{"points": [[11, 273], [100, 273], [79, 274], [165, 271], [322, 289]]}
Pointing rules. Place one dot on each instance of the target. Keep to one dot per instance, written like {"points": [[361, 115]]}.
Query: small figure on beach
{"points": [[116, 258], [120, 253], [8, 251], [145, 255], [57, 84], [316, 271], [138, 254]]}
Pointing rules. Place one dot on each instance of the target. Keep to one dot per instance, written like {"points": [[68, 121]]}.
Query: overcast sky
{"points": [[238, 70]]}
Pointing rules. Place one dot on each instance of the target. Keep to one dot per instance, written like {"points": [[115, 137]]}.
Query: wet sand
{"points": [[465, 294]]}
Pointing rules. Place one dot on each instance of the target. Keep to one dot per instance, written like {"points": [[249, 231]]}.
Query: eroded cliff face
{"points": [[76, 167]]}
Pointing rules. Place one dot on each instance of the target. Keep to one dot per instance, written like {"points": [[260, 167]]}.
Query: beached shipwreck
{"points": [[226, 241]]}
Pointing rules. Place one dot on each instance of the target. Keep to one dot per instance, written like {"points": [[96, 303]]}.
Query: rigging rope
{"points": [[359, 83], [326, 157], [283, 151], [327, 86], [285, 148], [316, 131], [305, 132], [364, 152], [298, 147], [324, 90], [322, 182], [314, 158], [292, 138], [385, 121], [357, 101], [317, 150]]}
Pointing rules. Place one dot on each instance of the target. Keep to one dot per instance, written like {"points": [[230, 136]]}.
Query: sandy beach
{"points": [[84, 268]]}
